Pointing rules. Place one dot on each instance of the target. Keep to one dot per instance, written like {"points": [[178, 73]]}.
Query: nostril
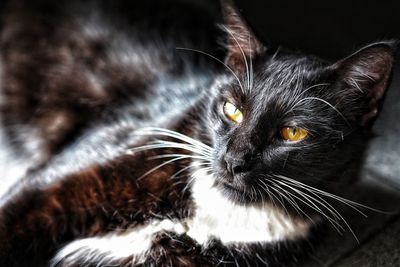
{"points": [[235, 166], [237, 169]]}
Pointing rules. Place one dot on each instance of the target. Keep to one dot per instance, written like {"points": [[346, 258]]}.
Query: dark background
{"points": [[329, 29]]}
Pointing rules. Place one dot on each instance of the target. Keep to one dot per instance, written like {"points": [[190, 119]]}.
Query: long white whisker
{"points": [[312, 205], [324, 204], [161, 146], [279, 200], [307, 197], [345, 201], [281, 194], [323, 200], [173, 134], [270, 194], [162, 165], [312, 87], [194, 146], [243, 55], [292, 202], [188, 167], [177, 155], [323, 101], [189, 147], [251, 65], [204, 53]]}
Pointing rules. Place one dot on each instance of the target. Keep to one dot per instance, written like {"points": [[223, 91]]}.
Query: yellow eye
{"points": [[233, 113], [293, 133]]}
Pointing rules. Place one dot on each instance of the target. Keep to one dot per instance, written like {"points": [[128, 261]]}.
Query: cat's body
{"points": [[71, 66], [88, 93]]}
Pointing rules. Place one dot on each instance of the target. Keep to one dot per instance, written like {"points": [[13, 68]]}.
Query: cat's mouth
{"points": [[231, 188], [237, 193]]}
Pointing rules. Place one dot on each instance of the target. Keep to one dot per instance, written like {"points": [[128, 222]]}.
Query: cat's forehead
{"points": [[288, 72], [284, 78]]}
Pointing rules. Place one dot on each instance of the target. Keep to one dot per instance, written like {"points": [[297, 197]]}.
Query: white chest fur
{"points": [[217, 216]]}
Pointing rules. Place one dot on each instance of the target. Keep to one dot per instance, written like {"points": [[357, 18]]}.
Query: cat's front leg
{"points": [[36, 222], [171, 249], [139, 247]]}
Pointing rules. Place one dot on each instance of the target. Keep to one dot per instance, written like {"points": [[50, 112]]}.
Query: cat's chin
{"points": [[237, 194]]}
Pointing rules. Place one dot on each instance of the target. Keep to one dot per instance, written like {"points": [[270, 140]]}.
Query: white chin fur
{"points": [[215, 217]]}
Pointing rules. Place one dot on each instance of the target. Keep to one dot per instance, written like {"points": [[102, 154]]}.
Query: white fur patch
{"points": [[215, 217], [110, 248]]}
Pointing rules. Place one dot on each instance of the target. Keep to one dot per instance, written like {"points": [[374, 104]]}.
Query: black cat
{"points": [[141, 149]]}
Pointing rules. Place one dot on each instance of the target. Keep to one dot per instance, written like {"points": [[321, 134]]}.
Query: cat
{"points": [[145, 144]]}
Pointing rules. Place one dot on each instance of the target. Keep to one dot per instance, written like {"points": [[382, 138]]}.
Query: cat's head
{"points": [[278, 117]]}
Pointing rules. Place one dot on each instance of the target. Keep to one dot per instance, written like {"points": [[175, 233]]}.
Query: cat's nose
{"points": [[237, 166]]}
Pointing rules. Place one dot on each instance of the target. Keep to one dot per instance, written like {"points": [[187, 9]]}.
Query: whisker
{"points": [[345, 201], [243, 55], [324, 203], [312, 87], [325, 102], [213, 57], [178, 146], [178, 155], [173, 134], [159, 145], [193, 146], [307, 197], [266, 189], [280, 196], [251, 65], [302, 198], [162, 165], [188, 167], [253, 193], [292, 202], [272, 196], [276, 53], [192, 178], [323, 200]]}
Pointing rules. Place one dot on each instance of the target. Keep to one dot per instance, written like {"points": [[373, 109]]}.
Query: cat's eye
{"points": [[232, 112], [293, 133]]}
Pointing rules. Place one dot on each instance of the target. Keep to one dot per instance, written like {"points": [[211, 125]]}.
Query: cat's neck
{"points": [[219, 217]]}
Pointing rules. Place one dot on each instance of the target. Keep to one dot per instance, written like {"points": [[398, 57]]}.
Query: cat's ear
{"points": [[241, 41], [368, 72]]}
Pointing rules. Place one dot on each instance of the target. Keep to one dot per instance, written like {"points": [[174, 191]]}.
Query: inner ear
{"points": [[367, 74], [242, 43]]}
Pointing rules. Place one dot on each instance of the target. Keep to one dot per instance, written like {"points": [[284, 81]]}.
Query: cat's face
{"points": [[279, 118]]}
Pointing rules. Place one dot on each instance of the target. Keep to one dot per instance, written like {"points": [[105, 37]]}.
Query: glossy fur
{"points": [[129, 159]]}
